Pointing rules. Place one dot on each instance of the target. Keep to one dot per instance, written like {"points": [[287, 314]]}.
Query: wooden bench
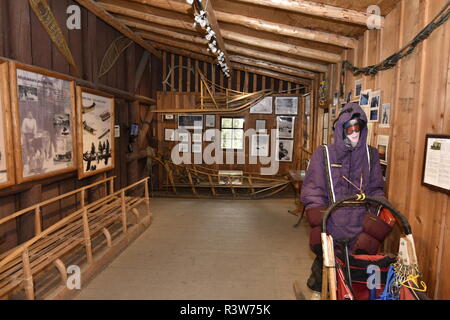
{"points": [[23, 265]]}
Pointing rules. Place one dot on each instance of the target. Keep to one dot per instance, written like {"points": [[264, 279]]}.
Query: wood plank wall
{"points": [[418, 90], [181, 92], [23, 38]]}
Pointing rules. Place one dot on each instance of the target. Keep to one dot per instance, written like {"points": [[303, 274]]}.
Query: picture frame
{"points": [[43, 116], [7, 169], [168, 117], [364, 99], [261, 126], [197, 148], [358, 87], [383, 148], [436, 168], [284, 150], [385, 115], [260, 145], [374, 114], [96, 150], [189, 121], [285, 127], [197, 138], [286, 105], [169, 134], [210, 135], [210, 121], [375, 99], [264, 106]]}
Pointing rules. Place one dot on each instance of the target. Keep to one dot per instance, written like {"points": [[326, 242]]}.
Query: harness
{"points": [[330, 184]]}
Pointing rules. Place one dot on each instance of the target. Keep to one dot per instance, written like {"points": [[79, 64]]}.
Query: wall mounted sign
{"points": [[436, 169]]}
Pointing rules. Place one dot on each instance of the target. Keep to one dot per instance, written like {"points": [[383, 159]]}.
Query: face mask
{"points": [[354, 138]]}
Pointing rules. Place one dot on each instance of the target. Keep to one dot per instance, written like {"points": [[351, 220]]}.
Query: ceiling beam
{"points": [[201, 54], [210, 14], [263, 43], [316, 9], [109, 19], [299, 64], [261, 25], [242, 51]]}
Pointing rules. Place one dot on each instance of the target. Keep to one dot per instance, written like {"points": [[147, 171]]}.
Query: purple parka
{"points": [[344, 222]]}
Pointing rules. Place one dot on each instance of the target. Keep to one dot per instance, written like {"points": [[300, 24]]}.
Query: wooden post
{"points": [[37, 221], [188, 89], [28, 276], [26, 222], [123, 211], [111, 186], [62, 270], [83, 196], [212, 185], [164, 67], [87, 237], [147, 197], [108, 237], [196, 75], [191, 181]]}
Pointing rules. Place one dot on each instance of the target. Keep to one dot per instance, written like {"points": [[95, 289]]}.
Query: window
{"points": [[232, 133]]}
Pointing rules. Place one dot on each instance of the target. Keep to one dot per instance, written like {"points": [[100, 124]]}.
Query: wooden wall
{"points": [[418, 90], [22, 38]]}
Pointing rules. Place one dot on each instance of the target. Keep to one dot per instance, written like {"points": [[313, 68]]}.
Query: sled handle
{"points": [[364, 199]]}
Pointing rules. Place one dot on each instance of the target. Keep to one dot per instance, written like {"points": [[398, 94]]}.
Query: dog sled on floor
{"points": [[370, 277]]}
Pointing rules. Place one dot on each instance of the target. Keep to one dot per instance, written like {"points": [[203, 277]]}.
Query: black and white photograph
{"points": [[27, 93], [190, 121], [46, 124], [364, 99], [260, 145], [210, 135], [197, 137], [210, 120], [375, 99], [382, 147], [285, 127], [385, 115], [284, 150], [358, 87], [95, 131], [169, 134], [263, 107], [261, 126], [197, 148], [286, 105]]}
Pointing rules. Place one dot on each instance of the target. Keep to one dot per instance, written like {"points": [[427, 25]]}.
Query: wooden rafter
{"points": [[230, 35], [108, 18], [316, 9], [261, 25]]}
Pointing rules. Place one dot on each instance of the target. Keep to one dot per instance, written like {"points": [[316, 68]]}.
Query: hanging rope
{"points": [[391, 61]]}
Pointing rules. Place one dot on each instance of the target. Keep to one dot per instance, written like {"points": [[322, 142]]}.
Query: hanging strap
{"points": [[330, 185]]}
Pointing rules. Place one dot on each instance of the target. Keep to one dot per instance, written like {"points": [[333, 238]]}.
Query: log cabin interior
{"points": [[157, 149]]}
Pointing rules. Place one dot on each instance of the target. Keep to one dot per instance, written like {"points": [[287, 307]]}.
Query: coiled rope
{"points": [[392, 60]]}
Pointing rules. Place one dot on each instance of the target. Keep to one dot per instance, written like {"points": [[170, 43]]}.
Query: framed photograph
{"points": [[197, 148], [261, 126], [43, 111], [335, 99], [183, 147], [373, 115], [197, 137], [382, 147], [307, 123], [285, 127], [95, 127], [364, 99], [284, 150], [436, 169], [358, 87], [183, 137], [7, 176], [385, 115], [263, 107], [190, 121], [286, 105], [210, 135], [260, 145], [169, 134], [168, 116], [210, 121], [375, 99]]}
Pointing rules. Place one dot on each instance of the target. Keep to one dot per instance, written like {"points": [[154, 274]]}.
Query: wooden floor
{"points": [[210, 249]]}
